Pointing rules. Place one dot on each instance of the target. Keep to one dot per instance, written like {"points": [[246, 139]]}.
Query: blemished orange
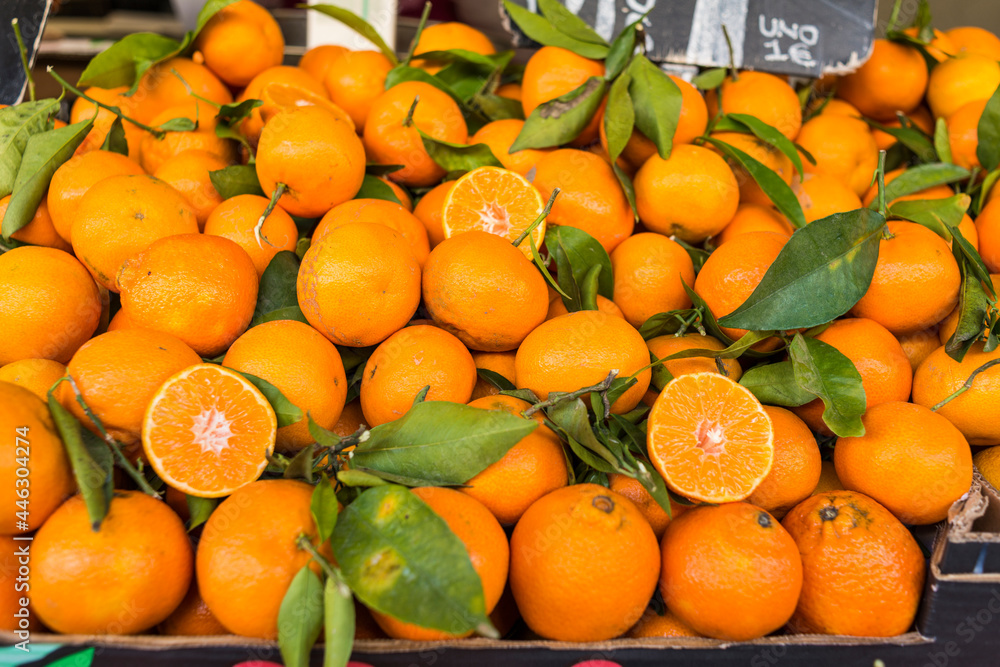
{"points": [[483, 539], [188, 173], [192, 618], [501, 363], [359, 284], [893, 79], [988, 230], [692, 195], [117, 374], [240, 41], [729, 558], [863, 572], [483, 290], [389, 140], [664, 346], [939, 376], [496, 201], [963, 133], [972, 39], [121, 216], [553, 71], [83, 109], [949, 324], [710, 438], [409, 360], [768, 155], [560, 583], [159, 88], [918, 345], [797, 465], [753, 218], [633, 489], [248, 555], [650, 271], [916, 280], [318, 158], [579, 350], [82, 579], [843, 148], [353, 81], [294, 79], [75, 177], [828, 480], [39, 231], [822, 195], [533, 467], [237, 217], [49, 304], [430, 211], [958, 81], [449, 35], [653, 624], [557, 307], [156, 151], [207, 431], [590, 197], [499, 135], [35, 375], [759, 94], [51, 476], [378, 211], [912, 461]]}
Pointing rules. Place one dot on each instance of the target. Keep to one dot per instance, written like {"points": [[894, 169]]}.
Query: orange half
{"points": [[497, 201], [278, 97], [208, 431], [710, 438]]}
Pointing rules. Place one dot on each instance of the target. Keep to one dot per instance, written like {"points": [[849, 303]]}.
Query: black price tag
{"points": [[31, 16]]}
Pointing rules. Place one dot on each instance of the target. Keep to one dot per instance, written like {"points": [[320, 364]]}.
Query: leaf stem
{"points": [[303, 542], [408, 121], [967, 385], [159, 134], [732, 57], [24, 58], [279, 190], [420, 29], [541, 216], [601, 387]]}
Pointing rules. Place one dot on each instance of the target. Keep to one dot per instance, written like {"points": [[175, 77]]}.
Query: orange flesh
{"points": [[496, 201]]}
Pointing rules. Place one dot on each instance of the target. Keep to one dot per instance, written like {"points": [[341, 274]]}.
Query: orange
{"points": [[188, 173], [693, 195], [479, 287], [634, 490], [350, 419], [894, 78], [559, 553], [797, 465], [557, 307], [483, 539], [200, 288], [35, 375], [303, 365], [317, 60], [949, 324], [49, 304], [39, 231], [763, 152], [118, 373], [121, 579], [753, 218], [497, 201], [843, 148], [971, 39], [916, 280], [988, 231], [51, 478], [759, 94], [449, 35], [378, 211], [919, 344], [430, 211], [118, 322], [958, 81], [530, 469], [236, 219], [83, 109], [579, 350], [730, 571], [988, 464], [664, 346], [208, 431], [822, 195], [511, 91], [277, 97], [653, 624], [911, 460], [389, 140], [159, 88], [359, 284], [499, 135], [553, 71], [710, 438], [939, 376], [834, 106], [121, 216], [192, 618], [291, 80], [157, 151], [862, 571], [501, 363], [402, 195], [650, 272], [247, 555], [405, 363], [828, 480], [963, 133], [240, 42], [590, 197], [354, 79], [940, 46], [75, 177]]}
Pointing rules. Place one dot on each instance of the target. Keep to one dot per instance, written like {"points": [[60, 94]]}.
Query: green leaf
{"points": [[17, 124], [938, 215], [125, 61], [627, 187], [200, 509], [324, 508], [988, 149], [458, 157], [773, 186], [236, 112], [575, 252], [920, 178], [300, 618], [276, 292], [770, 135], [237, 179], [401, 559], [561, 120], [942, 143], [43, 154], [496, 107], [825, 372], [912, 137], [403, 73], [301, 465], [373, 187], [572, 420], [114, 140], [619, 116], [569, 23], [210, 9], [668, 324], [179, 125], [359, 478], [708, 319], [323, 437], [710, 79], [358, 25], [91, 468], [621, 50], [588, 288], [339, 622], [988, 183], [823, 270], [774, 384], [544, 32], [698, 255], [495, 379], [286, 412], [657, 101], [974, 304]]}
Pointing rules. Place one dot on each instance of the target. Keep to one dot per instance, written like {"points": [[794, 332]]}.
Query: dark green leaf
{"points": [[619, 116], [495, 379], [339, 622], [669, 323], [358, 25], [288, 313], [17, 124], [496, 107], [381, 169], [578, 251], [588, 288], [277, 287], [710, 78], [973, 309], [965, 253], [942, 144], [286, 412], [770, 135], [618, 388], [300, 618], [773, 186], [324, 508], [238, 179], [114, 140], [237, 112], [698, 255], [323, 437], [774, 384], [569, 23], [708, 319], [458, 157], [401, 559], [179, 125], [464, 78], [988, 183], [938, 215], [301, 465], [542, 31], [657, 101], [373, 187], [200, 509], [91, 469], [572, 419], [988, 149], [912, 137], [122, 63], [825, 372], [485, 62], [621, 50], [627, 187], [561, 120], [823, 270], [525, 395], [920, 178], [210, 9]]}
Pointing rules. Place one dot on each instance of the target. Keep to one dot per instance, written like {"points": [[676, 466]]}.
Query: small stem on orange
{"points": [[159, 134], [303, 542], [545, 212], [408, 121], [420, 29], [279, 190], [967, 385], [23, 50]]}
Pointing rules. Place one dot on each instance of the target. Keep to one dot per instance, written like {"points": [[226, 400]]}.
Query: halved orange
{"points": [[497, 201], [278, 97], [208, 431], [710, 438]]}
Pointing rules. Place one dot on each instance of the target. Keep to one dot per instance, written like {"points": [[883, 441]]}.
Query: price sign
{"points": [[31, 16], [798, 37]]}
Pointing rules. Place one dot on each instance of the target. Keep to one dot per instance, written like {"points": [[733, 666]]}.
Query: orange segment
{"points": [[497, 201], [710, 438], [208, 431], [277, 97]]}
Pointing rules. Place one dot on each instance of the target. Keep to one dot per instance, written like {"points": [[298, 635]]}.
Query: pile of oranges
{"points": [[250, 304]]}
